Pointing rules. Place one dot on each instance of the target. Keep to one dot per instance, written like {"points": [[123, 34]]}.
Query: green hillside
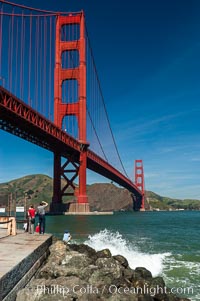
{"points": [[35, 188], [102, 197], [165, 203]]}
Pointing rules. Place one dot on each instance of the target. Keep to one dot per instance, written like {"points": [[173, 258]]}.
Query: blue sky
{"points": [[147, 55]]}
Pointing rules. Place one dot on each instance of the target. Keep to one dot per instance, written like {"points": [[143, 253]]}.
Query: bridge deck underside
{"points": [[19, 123]]}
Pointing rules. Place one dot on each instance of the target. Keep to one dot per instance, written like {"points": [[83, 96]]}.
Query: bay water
{"points": [[166, 243]]}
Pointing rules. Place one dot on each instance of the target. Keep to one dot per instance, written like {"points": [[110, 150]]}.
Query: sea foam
{"points": [[118, 245]]}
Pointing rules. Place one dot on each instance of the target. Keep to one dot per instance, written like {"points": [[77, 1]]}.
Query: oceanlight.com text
{"points": [[112, 289]]}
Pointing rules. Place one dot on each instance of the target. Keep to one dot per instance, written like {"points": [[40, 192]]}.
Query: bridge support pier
{"points": [[82, 194], [79, 208], [82, 204], [136, 202], [56, 179], [63, 183]]}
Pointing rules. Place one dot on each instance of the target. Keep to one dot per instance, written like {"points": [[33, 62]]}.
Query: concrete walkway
{"points": [[14, 249], [3, 233], [18, 254]]}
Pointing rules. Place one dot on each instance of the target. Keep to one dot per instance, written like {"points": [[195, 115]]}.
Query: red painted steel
{"points": [[78, 108], [139, 180], [21, 120], [15, 111]]}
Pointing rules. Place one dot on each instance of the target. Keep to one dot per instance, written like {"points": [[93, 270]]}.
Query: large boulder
{"points": [[143, 272], [122, 260], [78, 272]]}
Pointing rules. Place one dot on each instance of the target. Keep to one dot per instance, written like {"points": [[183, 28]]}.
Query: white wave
{"points": [[119, 246]]}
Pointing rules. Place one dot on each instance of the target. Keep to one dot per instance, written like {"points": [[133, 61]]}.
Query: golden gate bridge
{"points": [[50, 95]]}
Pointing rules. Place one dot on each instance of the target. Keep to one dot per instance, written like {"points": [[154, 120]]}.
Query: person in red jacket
{"points": [[31, 219]]}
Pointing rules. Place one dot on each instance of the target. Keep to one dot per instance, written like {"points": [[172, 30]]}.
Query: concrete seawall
{"points": [[20, 258]]}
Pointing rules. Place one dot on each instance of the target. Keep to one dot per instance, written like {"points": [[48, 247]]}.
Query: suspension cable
{"points": [[37, 9], [104, 104]]}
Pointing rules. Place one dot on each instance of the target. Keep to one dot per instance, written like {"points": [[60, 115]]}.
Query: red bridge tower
{"points": [[76, 108], [139, 181]]}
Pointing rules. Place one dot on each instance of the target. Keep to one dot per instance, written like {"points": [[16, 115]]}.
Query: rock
{"points": [[117, 297], [136, 275], [90, 252], [144, 273], [77, 260], [79, 273], [25, 294], [108, 272], [145, 297], [62, 288], [104, 254], [110, 265], [157, 282], [122, 260], [122, 283], [128, 274], [51, 271], [57, 252], [161, 297]]}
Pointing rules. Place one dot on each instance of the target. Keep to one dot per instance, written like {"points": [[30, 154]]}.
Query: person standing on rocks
{"points": [[41, 214]]}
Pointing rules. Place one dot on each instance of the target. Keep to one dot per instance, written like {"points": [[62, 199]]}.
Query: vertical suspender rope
{"points": [[50, 58], [29, 67], [11, 60], [16, 57], [73, 66], [1, 33], [104, 107], [35, 71], [9, 51], [36, 63], [21, 57], [41, 68], [68, 84], [45, 69]]}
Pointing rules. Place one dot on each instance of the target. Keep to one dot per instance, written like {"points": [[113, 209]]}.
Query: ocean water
{"points": [[166, 243]]}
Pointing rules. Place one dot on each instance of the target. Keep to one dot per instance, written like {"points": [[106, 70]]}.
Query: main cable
{"points": [[104, 103]]}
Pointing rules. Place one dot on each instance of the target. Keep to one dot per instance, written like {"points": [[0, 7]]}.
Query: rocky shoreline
{"points": [[78, 272]]}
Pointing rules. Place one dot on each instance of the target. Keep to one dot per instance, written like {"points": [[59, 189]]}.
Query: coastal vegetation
{"points": [[102, 197]]}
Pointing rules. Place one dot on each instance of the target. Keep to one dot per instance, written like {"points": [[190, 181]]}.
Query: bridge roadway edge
{"points": [[16, 117], [29, 252]]}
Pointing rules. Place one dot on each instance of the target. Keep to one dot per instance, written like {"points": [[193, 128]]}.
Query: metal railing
{"points": [[9, 223]]}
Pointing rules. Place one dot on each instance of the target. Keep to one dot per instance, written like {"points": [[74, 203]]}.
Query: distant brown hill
{"points": [[37, 188], [102, 197], [108, 197]]}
